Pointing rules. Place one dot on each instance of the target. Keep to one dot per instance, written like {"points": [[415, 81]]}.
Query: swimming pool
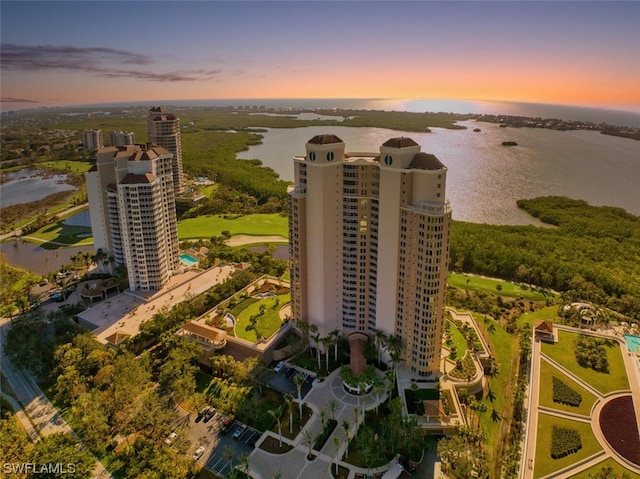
{"points": [[188, 259], [633, 342]]}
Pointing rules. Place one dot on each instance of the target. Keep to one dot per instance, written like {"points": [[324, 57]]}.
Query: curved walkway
{"points": [[294, 464], [529, 450]]}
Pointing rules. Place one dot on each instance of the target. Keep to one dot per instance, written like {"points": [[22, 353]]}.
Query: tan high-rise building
{"points": [[133, 212], [122, 138], [92, 139], [369, 244], [164, 131]]}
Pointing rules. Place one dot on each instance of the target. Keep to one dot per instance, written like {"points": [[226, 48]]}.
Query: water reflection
{"points": [[27, 185], [37, 259]]}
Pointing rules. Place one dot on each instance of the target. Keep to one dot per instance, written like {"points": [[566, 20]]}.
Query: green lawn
{"points": [[458, 340], [563, 353], [478, 283], [214, 225], [209, 190], [267, 323], [618, 470], [548, 313], [545, 464], [66, 165], [61, 233], [547, 371]]}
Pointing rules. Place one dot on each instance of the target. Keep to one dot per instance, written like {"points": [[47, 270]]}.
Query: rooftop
{"points": [[324, 140], [400, 142]]}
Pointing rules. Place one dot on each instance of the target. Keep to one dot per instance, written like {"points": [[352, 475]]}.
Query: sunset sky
{"points": [[78, 52]]}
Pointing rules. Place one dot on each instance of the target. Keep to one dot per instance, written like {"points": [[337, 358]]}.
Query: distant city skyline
{"points": [[569, 53]]}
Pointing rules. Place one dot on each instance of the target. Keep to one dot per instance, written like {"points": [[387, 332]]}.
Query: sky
{"points": [[583, 53]]}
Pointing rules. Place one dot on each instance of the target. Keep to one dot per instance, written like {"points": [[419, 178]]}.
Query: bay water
{"points": [[484, 178]]}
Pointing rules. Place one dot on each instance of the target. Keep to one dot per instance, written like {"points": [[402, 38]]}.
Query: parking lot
{"points": [[282, 381], [229, 449]]}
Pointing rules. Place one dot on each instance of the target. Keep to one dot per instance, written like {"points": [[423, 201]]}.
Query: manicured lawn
{"points": [[458, 340], [547, 371], [618, 470], [563, 352], [545, 464], [549, 313], [209, 190], [477, 283], [66, 165], [267, 323], [61, 233], [252, 225]]}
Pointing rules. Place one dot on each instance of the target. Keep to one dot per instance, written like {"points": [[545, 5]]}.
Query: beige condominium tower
{"points": [[164, 131], [369, 244], [133, 212]]}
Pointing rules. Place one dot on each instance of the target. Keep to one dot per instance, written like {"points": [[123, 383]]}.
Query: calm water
{"points": [[25, 185], [484, 178], [39, 260]]}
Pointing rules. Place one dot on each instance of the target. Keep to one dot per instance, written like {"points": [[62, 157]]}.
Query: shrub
{"points": [[590, 353], [564, 442], [564, 394]]}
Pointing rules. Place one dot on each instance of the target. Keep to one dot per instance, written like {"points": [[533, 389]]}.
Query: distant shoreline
{"points": [[463, 107]]}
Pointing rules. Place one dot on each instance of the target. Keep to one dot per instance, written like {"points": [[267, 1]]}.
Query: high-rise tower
{"points": [[369, 244], [133, 212], [164, 131]]}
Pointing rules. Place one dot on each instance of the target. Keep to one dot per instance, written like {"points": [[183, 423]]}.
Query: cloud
{"points": [[10, 99], [105, 62]]}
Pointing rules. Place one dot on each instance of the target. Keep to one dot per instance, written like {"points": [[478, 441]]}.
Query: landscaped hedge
{"points": [[564, 442], [591, 353], [564, 394]]}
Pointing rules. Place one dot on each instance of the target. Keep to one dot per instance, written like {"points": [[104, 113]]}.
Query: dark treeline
{"points": [[591, 254]]}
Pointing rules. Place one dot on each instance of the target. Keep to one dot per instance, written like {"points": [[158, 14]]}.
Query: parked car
{"points": [[202, 414], [279, 367], [290, 373], [172, 437], [226, 425], [198, 453], [238, 432], [209, 415]]}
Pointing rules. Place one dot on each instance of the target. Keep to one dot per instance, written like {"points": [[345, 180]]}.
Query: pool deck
{"points": [[124, 313]]}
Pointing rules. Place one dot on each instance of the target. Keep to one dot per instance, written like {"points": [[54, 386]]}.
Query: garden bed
{"points": [[619, 428], [272, 445]]}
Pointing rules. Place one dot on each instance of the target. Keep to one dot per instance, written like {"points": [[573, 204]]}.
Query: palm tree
{"points": [[298, 381], [346, 426], [335, 334], [333, 407], [244, 462], [316, 340], [336, 442], [277, 414], [480, 408], [228, 455], [277, 474], [288, 399], [381, 341], [326, 343], [307, 438], [377, 389]]}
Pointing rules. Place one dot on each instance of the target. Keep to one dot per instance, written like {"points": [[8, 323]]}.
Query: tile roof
{"points": [[132, 179], [401, 142], [324, 140], [426, 161]]}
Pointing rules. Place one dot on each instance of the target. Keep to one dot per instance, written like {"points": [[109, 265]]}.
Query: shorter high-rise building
{"points": [[92, 139], [164, 131], [133, 213], [122, 138]]}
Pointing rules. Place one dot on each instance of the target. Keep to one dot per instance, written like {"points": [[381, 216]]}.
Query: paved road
{"points": [[45, 418]]}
